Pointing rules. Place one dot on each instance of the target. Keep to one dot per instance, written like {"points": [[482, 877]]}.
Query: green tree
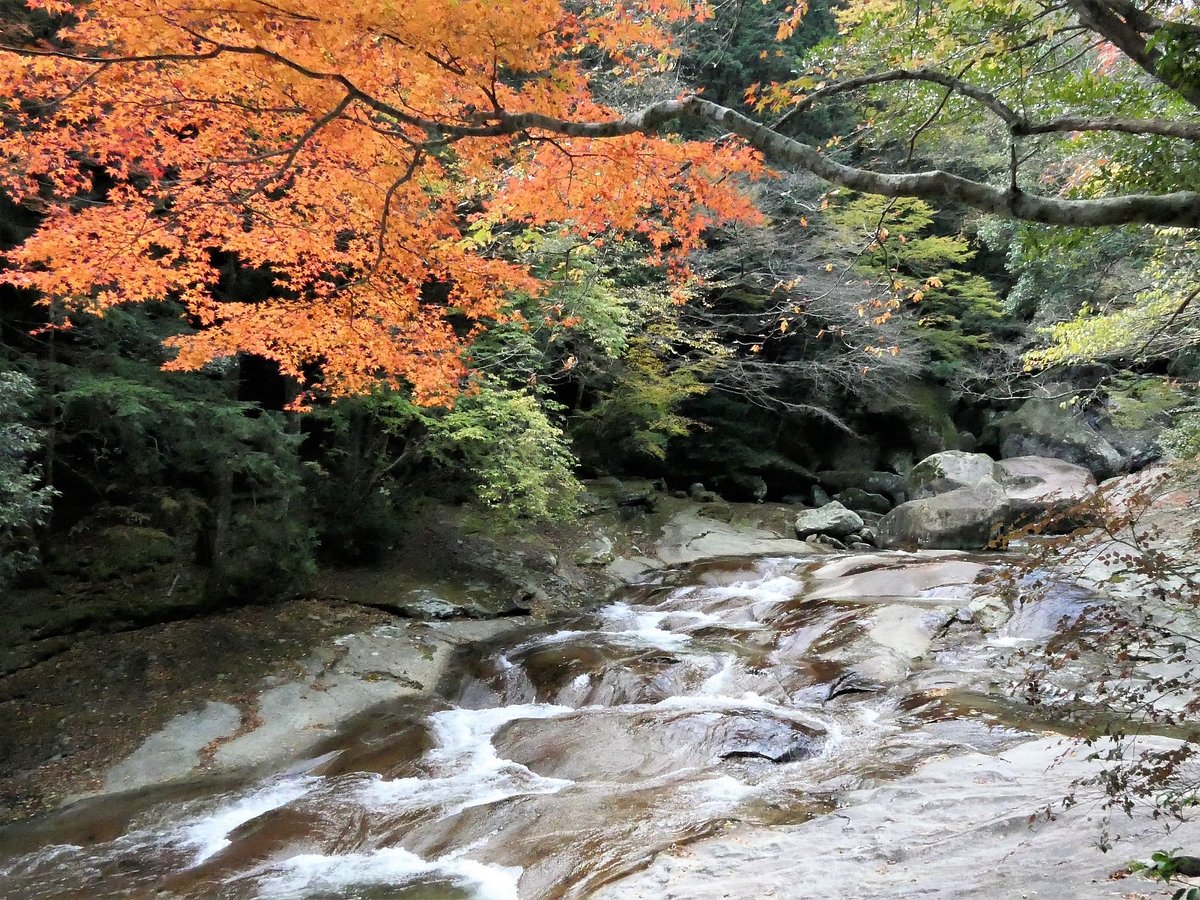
{"points": [[24, 500]]}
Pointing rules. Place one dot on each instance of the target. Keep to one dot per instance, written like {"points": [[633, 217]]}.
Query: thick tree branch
{"points": [[1182, 129], [1181, 208], [1127, 27]]}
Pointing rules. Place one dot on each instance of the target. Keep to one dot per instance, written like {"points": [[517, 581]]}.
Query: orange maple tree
{"points": [[348, 147]]}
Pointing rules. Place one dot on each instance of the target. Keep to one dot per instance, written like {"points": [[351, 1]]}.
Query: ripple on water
{"points": [[311, 874], [576, 755]]}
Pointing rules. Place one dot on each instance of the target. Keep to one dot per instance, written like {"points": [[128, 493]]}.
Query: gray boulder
{"points": [[873, 481], [901, 461], [1042, 427], [895, 486], [859, 500], [596, 552], [1037, 486], [1138, 447], [613, 493], [832, 519], [968, 518], [949, 471]]}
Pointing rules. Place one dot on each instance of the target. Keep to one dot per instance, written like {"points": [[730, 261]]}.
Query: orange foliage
{"points": [[347, 145]]}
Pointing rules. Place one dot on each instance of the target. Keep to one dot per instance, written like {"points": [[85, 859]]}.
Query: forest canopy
{"points": [[361, 155]]}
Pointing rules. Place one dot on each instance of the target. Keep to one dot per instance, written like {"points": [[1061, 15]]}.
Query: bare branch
{"points": [[1017, 123]]}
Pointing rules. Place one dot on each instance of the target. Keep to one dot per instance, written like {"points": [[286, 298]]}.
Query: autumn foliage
{"points": [[353, 149]]}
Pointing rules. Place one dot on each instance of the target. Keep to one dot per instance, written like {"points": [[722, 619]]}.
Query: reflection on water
{"points": [[572, 756]]}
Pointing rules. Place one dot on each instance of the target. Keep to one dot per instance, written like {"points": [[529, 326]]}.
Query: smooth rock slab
{"points": [[688, 536], [957, 827], [290, 718], [175, 750], [1037, 486], [949, 471]]}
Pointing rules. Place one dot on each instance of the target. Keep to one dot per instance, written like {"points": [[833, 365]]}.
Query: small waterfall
{"points": [[572, 756]]}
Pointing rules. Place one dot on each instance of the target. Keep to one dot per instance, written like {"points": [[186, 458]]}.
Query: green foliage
{"points": [[24, 502], [504, 443], [1026, 56], [604, 344], [1138, 402], [954, 311], [1166, 866], [1182, 438], [637, 415], [738, 47], [368, 449], [1156, 321], [145, 429], [1057, 271], [180, 449]]}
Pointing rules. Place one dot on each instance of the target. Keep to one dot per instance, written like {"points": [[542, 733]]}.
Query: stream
{"points": [[741, 693]]}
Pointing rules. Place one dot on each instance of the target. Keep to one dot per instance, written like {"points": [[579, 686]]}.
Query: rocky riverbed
{"points": [[746, 714]]}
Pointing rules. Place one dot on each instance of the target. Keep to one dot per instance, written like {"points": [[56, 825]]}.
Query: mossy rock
{"points": [[1043, 427], [126, 549]]}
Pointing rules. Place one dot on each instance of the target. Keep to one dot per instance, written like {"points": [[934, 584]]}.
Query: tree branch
{"points": [[1017, 124], [1180, 209], [1126, 27]]}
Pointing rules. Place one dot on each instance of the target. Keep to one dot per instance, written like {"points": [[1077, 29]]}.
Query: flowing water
{"points": [[752, 691]]}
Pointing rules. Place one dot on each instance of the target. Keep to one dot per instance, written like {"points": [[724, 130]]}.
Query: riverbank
{"points": [[113, 705], [898, 666]]}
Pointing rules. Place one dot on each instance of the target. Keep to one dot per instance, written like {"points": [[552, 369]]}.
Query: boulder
{"points": [[871, 480], [968, 518], [744, 488], [820, 496], [926, 418], [1041, 427], [901, 461], [832, 519], [596, 552], [1037, 486], [889, 483], [613, 493], [1138, 448], [949, 471], [858, 500]]}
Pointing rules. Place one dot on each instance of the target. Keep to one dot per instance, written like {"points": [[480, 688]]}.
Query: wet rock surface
{"points": [[720, 727]]}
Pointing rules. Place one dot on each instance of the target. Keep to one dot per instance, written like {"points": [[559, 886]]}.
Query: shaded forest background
{"points": [[850, 332]]}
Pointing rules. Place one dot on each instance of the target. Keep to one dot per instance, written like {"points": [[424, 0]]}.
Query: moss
{"points": [[125, 549], [1138, 403]]}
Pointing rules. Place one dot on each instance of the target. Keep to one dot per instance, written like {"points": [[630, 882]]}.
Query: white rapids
{"points": [[708, 739]]}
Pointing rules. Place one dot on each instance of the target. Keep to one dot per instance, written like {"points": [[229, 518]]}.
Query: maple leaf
{"points": [[336, 145]]}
